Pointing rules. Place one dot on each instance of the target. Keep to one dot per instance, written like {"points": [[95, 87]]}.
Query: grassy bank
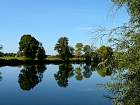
{"points": [[48, 58], [13, 61]]}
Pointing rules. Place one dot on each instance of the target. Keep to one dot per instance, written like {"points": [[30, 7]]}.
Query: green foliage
{"points": [[78, 49], [105, 52], [87, 53], [87, 49], [128, 49], [129, 43], [133, 7], [102, 72], [40, 54], [125, 88], [64, 50], [30, 47]]}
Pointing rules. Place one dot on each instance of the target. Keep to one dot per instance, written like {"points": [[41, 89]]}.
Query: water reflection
{"points": [[0, 76], [124, 85], [79, 75], [83, 71], [79, 72], [65, 71], [30, 76], [123, 88], [87, 71]]}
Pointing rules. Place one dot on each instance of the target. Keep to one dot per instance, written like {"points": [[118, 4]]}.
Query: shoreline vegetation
{"points": [[31, 51], [15, 61]]}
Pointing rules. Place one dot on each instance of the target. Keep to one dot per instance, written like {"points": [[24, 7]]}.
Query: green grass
{"points": [[18, 58], [80, 59], [52, 58], [48, 58]]}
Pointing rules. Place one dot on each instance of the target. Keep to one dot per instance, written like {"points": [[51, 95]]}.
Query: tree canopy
{"points": [[79, 49], [87, 49], [64, 50], [105, 52], [30, 47]]}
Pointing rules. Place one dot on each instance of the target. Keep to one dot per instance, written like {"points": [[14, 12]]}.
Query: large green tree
{"points": [[64, 50], [30, 47], [40, 54], [87, 49], [79, 49], [87, 52]]}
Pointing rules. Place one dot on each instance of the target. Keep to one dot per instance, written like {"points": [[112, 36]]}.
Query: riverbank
{"points": [[13, 61]]}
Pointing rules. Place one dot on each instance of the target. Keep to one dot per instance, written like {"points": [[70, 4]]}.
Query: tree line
{"points": [[30, 47]]}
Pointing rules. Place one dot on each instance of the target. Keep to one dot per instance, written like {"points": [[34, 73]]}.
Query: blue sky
{"points": [[48, 20]]}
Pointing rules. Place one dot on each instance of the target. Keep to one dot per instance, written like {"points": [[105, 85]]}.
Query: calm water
{"points": [[63, 84]]}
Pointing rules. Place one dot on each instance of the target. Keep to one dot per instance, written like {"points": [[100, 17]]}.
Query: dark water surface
{"points": [[53, 85]]}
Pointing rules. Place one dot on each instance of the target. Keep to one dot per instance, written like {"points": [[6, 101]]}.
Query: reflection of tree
{"points": [[65, 72], [83, 71], [30, 76], [87, 71], [79, 75], [0, 76]]}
